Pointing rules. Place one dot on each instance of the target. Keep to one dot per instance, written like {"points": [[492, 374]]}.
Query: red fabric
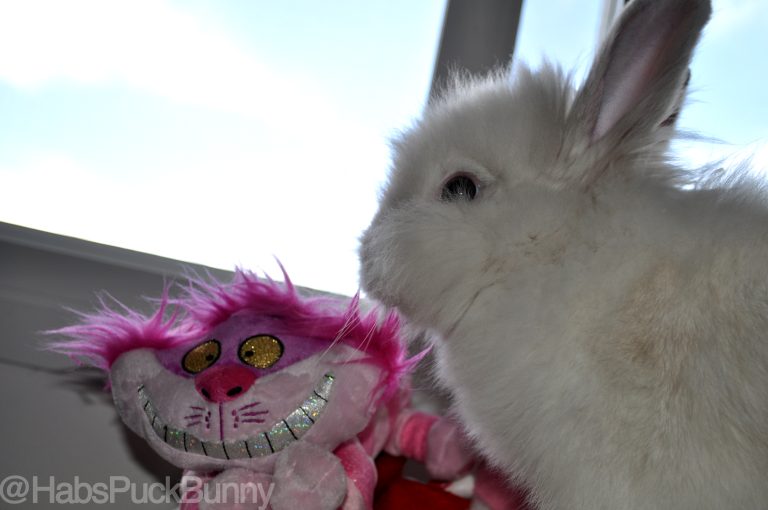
{"points": [[390, 469], [408, 494], [393, 492]]}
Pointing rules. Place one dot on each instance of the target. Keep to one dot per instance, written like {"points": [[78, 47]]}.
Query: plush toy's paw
{"points": [[308, 478], [236, 489], [447, 455], [354, 500]]}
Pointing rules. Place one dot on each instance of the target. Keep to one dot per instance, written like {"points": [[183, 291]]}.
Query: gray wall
{"points": [[58, 420]]}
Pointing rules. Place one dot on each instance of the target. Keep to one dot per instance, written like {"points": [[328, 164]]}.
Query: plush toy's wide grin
{"points": [[291, 428]]}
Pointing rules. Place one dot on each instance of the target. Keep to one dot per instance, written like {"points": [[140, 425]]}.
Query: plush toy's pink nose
{"points": [[221, 384]]}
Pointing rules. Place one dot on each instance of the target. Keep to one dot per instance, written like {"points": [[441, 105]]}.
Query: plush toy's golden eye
{"points": [[201, 356], [261, 351]]}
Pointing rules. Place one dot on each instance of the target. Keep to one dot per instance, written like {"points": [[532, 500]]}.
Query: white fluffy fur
{"points": [[603, 329]]}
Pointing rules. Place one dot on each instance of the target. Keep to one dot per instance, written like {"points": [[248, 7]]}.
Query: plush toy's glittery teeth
{"points": [[281, 434]]}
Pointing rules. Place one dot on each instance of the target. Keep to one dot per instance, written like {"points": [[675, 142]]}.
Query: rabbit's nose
{"points": [[224, 383]]}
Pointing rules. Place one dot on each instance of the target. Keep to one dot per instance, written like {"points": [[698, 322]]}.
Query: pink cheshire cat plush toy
{"points": [[248, 382]]}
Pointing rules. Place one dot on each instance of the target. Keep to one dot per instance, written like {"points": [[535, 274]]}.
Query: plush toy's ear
{"points": [[636, 80]]}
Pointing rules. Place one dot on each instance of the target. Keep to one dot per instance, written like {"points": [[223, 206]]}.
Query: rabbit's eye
{"points": [[460, 187]]}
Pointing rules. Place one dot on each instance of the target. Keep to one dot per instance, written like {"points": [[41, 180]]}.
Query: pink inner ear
{"points": [[638, 68], [624, 88]]}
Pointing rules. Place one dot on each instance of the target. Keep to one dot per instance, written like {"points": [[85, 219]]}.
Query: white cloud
{"points": [[149, 45]]}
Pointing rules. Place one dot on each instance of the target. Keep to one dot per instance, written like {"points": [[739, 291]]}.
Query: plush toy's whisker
{"points": [[349, 324], [252, 420], [198, 416], [365, 342], [254, 413], [246, 406]]}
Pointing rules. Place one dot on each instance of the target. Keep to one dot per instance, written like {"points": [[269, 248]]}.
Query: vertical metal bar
{"points": [[477, 36]]}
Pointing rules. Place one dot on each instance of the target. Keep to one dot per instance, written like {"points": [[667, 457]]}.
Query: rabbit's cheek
{"points": [[376, 265], [387, 272], [383, 272], [422, 261]]}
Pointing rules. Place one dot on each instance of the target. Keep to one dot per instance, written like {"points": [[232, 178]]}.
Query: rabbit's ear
{"points": [[637, 76]]}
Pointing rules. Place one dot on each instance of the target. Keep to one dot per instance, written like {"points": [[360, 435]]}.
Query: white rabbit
{"points": [[603, 328]]}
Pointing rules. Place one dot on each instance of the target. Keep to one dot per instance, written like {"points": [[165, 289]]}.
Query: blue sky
{"points": [[225, 133]]}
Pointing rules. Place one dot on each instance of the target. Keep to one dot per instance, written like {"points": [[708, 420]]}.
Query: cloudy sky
{"points": [[227, 133]]}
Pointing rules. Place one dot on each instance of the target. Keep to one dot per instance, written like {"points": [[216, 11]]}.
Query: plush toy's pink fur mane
{"points": [[101, 337]]}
